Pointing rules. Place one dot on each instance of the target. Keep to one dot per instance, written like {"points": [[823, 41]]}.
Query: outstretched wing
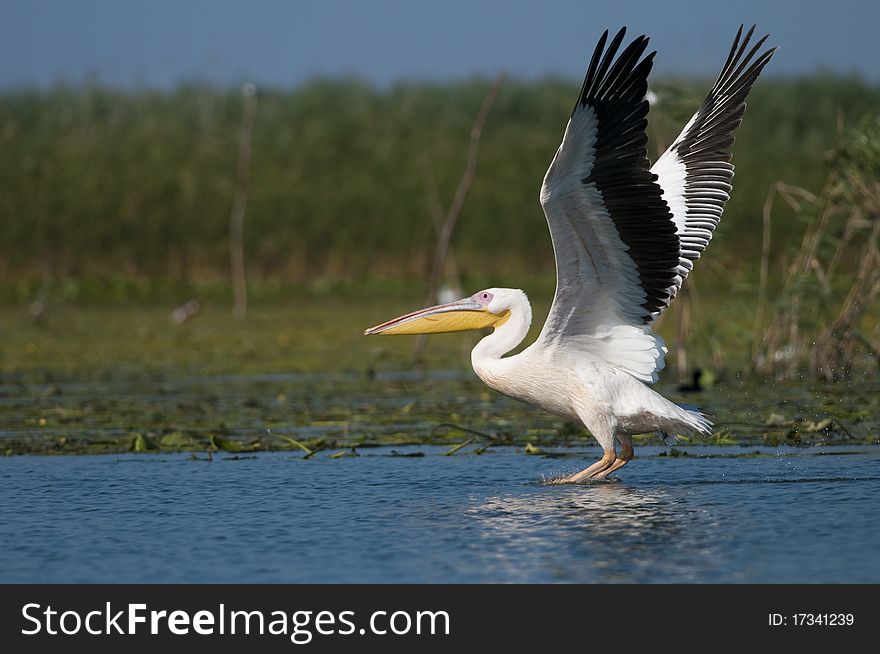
{"points": [[695, 173], [617, 251]]}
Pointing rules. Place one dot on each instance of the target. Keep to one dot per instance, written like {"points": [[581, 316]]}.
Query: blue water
{"points": [[793, 516]]}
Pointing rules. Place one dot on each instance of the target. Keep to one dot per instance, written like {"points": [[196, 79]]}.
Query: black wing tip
{"points": [[618, 36], [607, 62], [738, 60], [745, 43], [738, 74], [616, 40]]}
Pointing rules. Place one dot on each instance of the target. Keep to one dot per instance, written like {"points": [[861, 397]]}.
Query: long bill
{"points": [[460, 316]]}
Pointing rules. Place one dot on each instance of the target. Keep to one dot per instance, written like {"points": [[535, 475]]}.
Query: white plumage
{"points": [[625, 236]]}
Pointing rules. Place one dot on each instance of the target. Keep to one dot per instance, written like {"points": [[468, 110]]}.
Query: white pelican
{"points": [[625, 236]]}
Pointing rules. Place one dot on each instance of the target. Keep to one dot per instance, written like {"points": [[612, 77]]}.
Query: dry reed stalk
{"points": [[848, 207], [441, 252], [834, 352], [785, 326]]}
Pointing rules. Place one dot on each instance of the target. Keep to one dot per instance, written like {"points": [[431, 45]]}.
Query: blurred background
{"points": [[241, 187]]}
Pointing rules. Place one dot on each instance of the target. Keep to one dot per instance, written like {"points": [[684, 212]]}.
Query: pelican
{"points": [[625, 235]]}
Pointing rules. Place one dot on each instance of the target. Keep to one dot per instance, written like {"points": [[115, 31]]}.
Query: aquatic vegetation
{"points": [[456, 448], [122, 379], [143, 443], [225, 444]]}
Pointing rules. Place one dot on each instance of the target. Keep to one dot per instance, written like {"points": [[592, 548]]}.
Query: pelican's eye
{"points": [[483, 298]]}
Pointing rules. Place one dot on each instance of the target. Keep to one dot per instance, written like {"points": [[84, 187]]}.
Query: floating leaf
{"points": [[226, 445], [175, 440], [531, 449], [344, 453]]}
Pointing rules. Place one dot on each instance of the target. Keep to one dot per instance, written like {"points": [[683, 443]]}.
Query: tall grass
{"points": [[818, 318], [97, 182]]}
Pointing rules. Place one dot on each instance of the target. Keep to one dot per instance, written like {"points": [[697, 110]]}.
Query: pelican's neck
{"points": [[505, 337]]}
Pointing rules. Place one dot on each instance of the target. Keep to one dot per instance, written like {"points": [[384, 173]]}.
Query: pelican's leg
{"points": [[626, 455], [608, 458]]}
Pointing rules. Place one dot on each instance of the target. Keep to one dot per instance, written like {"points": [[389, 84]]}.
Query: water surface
{"points": [[787, 515]]}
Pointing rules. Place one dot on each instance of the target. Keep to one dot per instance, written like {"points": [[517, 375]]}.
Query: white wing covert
{"points": [[616, 246]]}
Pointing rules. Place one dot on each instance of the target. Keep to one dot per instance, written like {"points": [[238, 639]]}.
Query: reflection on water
{"points": [[607, 532]]}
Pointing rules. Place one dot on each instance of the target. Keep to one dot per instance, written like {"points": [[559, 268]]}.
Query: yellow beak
{"points": [[460, 316]]}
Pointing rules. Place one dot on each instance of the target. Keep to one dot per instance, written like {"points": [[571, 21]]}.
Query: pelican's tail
{"points": [[691, 422], [648, 411], [700, 423]]}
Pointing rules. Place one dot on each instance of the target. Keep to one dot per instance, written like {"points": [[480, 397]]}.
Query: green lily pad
{"points": [[225, 445]]}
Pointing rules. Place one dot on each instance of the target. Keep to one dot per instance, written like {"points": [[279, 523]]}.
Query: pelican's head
{"points": [[488, 308]]}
